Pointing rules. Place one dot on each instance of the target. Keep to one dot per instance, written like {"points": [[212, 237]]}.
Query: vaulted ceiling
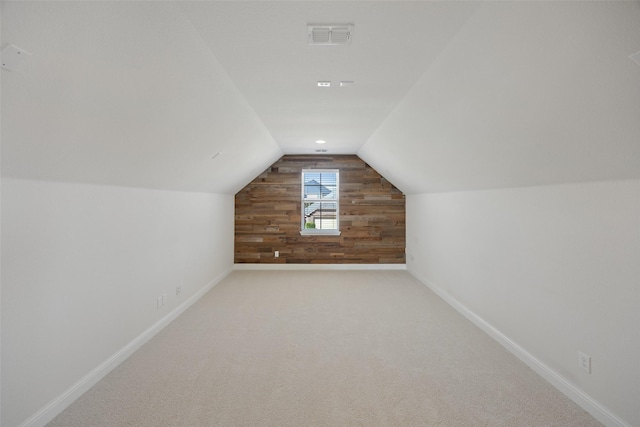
{"points": [[447, 95]]}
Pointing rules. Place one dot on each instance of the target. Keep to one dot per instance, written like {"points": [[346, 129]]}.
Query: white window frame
{"points": [[322, 232]]}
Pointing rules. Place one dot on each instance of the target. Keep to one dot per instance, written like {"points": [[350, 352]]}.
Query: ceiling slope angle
{"points": [[528, 93], [126, 94], [12, 57]]}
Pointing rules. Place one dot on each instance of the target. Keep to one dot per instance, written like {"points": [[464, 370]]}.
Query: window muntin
{"points": [[320, 201]]}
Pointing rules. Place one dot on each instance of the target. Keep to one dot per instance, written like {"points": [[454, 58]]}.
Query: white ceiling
{"points": [[448, 95]]}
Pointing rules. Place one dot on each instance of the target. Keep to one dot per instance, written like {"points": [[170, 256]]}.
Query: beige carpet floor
{"points": [[322, 348]]}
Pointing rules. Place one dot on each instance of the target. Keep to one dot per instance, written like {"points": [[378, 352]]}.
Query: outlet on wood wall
{"points": [[268, 216]]}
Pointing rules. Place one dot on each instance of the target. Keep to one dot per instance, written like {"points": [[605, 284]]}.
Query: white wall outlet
{"points": [[584, 361], [178, 290], [277, 254]]}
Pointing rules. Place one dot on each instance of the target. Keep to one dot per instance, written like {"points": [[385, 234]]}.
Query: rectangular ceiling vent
{"points": [[329, 34]]}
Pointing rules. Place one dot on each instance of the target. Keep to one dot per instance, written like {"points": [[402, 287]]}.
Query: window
{"points": [[320, 213]]}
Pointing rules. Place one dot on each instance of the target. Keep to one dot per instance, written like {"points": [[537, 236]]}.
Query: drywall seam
{"points": [[249, 266], [586, 402], [59, 404]]}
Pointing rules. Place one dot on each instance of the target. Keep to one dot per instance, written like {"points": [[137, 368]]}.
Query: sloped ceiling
{"points": [[525, 94], [448, 95], [124, 93]]}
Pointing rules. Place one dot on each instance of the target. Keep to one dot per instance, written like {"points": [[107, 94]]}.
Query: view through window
{"points": [[320, 207]]}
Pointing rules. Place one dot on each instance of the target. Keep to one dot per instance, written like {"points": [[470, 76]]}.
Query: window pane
{"points": [[329, 186], [320, 185], [322, 215], [312, 191]]}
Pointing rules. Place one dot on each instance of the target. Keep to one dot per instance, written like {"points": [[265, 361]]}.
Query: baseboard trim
{"points": [[59, 404], [586, 402], [319, 266]]}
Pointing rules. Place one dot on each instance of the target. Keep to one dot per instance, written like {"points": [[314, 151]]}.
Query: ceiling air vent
{"points": [[329, 34]]}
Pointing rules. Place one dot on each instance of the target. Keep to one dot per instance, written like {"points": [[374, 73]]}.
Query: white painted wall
{"points": [[556, 269], [82, 267]]}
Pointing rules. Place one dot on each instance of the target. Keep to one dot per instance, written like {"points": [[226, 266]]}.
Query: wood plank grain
{"points": [[268, 216]]}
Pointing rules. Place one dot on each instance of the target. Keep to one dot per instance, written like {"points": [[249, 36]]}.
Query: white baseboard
{"points": [[57, 405], [586, 402], [319, 266]]}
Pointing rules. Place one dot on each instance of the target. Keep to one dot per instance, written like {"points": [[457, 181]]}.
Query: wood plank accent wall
{"points": [[268, 216]]}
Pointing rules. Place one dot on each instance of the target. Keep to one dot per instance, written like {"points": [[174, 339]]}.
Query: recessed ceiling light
{"points": [[12, 57], [321, 141], [324, 84]]}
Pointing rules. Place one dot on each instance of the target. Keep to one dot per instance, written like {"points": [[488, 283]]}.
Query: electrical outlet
{"points": [[178, 290], [277, 254], [584, 361]]}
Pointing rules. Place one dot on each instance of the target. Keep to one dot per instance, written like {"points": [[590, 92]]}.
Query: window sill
{"points": [[312, 232]]}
